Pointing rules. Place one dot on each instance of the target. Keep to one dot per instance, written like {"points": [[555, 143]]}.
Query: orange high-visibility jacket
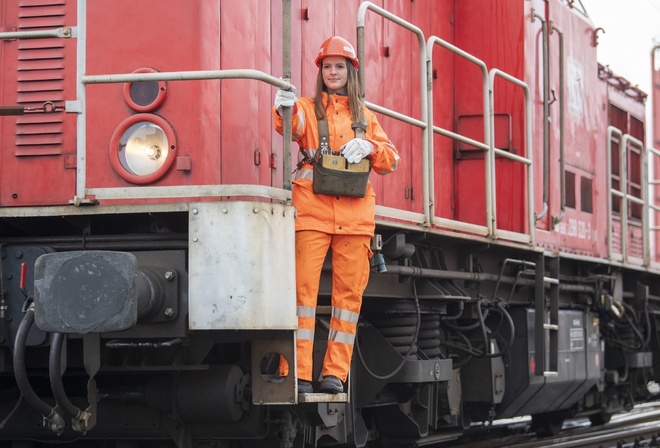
{"points": [[334, 214]]}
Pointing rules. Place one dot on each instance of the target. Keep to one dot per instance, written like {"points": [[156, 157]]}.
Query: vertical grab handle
{"points": [[286, 111]]}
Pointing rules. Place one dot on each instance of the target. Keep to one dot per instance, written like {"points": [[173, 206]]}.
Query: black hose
{"points": [[482, 328], [473, 352], [55, 367], [20, 373], [413, 345]]}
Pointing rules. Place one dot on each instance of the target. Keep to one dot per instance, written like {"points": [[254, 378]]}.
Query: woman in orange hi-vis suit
{"points": [[341, 223]]}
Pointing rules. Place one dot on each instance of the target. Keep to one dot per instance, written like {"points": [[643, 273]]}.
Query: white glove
{"points": [[285, 98], [356, 150]]}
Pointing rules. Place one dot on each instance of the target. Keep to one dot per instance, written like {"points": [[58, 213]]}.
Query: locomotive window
{"points": [[586, 195], [570, 189]]}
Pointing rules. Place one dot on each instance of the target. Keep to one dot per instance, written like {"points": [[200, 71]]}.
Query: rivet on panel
{"points": [[224, 210], [195, 239], [255, 210], [195, 211]]}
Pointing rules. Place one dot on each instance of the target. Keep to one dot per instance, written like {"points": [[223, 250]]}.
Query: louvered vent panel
{"points": [[40, 78]]}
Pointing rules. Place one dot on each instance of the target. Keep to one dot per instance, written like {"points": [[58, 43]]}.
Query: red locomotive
{"points": [[146, 226]]}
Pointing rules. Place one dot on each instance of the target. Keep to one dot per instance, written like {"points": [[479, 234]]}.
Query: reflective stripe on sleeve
{"points": [[296, 133], [305, 174]]}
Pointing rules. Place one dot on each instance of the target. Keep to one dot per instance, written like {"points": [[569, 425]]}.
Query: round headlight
{"points": [[142, 148]]}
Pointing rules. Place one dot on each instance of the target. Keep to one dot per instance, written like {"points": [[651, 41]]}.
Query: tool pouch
{"points": [[334, 176]]}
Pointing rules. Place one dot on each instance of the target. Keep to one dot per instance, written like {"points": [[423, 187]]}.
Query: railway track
{"points": [[636, 429]]}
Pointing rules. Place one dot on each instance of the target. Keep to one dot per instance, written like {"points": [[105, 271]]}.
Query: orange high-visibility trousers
{"points": [[350, 275]]}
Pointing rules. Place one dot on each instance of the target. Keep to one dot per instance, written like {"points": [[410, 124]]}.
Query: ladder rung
{"points": [[550, 373], [553, 281], [554, 327]]}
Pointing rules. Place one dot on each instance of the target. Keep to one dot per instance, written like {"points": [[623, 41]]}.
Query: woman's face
{"points": [[335, 73]]}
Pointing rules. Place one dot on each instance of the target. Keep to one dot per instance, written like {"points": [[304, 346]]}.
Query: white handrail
{"points": [[490, 225], [427, 179], [622, 193], [531, 221]]}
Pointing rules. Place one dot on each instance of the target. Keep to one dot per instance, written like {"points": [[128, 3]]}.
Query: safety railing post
{"points": [[81, 117], [653, 204], [286, 111], [642, 201], [546, 112], [562, 130], [531, 221], [611, 132]]}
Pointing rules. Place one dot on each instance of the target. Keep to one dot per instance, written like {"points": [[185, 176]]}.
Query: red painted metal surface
{"points": [[493, 32], [224, 128], [35, 145], [180, 39], [583, 227]]}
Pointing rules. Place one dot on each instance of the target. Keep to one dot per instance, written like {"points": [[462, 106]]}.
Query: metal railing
{"points": [[423, 217], [524, 160], [626, 140], [485, 146]]}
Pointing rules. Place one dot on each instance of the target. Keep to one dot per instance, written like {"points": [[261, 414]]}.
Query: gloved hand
{"points": [[356, 150], [285, 98]]}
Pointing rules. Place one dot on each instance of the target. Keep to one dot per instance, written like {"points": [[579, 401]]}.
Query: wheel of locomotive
{"points": [[600, 418], [546, 425]]}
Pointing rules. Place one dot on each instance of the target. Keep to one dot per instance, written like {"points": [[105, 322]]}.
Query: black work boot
{"points": [[305, 387], [331, 385]]}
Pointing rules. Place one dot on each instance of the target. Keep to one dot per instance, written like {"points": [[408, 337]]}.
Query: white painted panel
{"points": [[242, 266]]}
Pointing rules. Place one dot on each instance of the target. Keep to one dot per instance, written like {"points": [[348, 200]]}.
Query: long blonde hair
{"points": [[352, 89]]}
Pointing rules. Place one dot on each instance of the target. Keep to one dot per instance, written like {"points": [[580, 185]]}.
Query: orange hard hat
{"points": [[337, 46]]}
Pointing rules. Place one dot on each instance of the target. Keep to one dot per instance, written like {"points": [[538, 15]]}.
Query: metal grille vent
{"points": [[40, 78]]}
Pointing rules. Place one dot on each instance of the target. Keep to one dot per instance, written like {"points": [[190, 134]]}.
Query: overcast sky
{"points": [[631, 28]]}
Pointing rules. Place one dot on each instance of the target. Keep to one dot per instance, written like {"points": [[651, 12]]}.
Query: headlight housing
{"points": [[143, 148]]}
